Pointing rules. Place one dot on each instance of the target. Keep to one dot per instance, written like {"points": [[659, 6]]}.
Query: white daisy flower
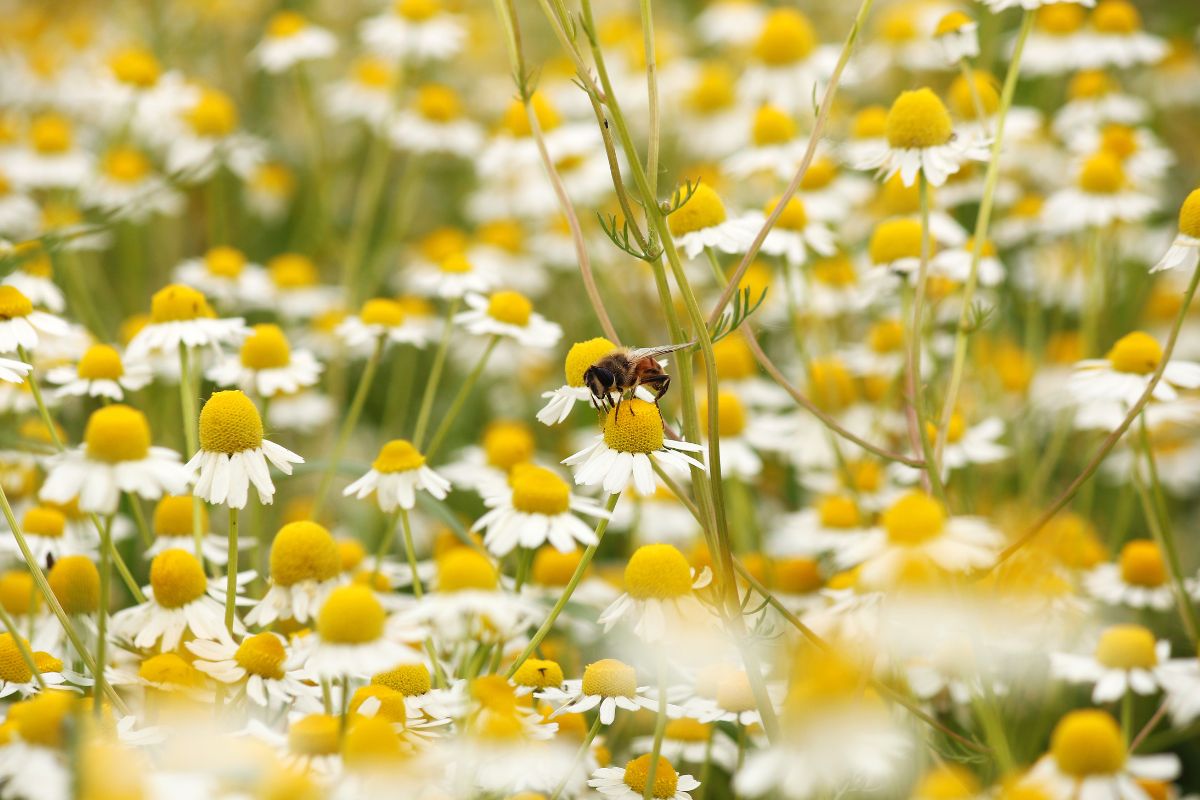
{"points": [[1102, 196], [350, 637], [789, 63], [629, 782], [451, 275], [701, 222], [436, 123], [100, 372], [267, 365], [365, 95], [127, 188], [181, 601], [832, 524], [260, 668], [794, 234], [1116, 38], [291, 39], [296, 291], [535, 510], [958, 36], [51, 536], [607, 685], [1127, 369], [580, 357], [224, 274], [1139, 578], [414, 30], [305, 567], [395, 476], [730, 22], [302, 412], [955, 264], [508, 314], [1029, 5], [233, 453], [20, 216], [13, 371], [17, 679], [34, 278], [52, 159], [23, 326], [204, 135], [180, 315], [1185, 249], [1126, 658], [687, 741], [1180, 679], [624, 454], [116, 457], [659, 593], [384, 320]]}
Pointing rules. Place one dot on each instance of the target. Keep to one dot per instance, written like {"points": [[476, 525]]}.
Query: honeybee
{"points": [[624, 370]]}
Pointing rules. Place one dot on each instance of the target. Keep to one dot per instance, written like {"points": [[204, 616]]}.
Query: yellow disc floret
{"points": [[13, 303], [51, 134], [438, 103], [262, 654], [178, 303], [45, 719], [797, 575], [787, 37], [1117, 17], [703, 209], [1127, 647], [17, 593], [895, 239], [772, 125], [75, 581], [609, 677], [117, 433], [303, 551], [266, 348], [410, 680], [292, 271], [44, 521], [464, 568], [918, 119], [538, 673], [213, 115], [634, 427], [135, 66], [284, 24], [583, 355], [1189, 215], [382, 311], [913, 519], [838, 511], [507, 444], [173, 516], [954, 21], [176, 578], [511, 308], [637, 773], [1102, 173], [1061, 19], [1087, 742], [947, 782], [536, 490], [794, 216], [1137, 352], [554, 568], [225, 262], [1142, 564], [126, 165], [398, 455], [981, 94], [351, 615], [229, 423], [315, 735], [657, 571], [100, 362]]}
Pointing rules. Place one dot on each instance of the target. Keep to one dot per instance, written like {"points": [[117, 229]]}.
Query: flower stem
{"points": [[410, 552], [916, 419], [435, 375], [660, 727], [139, 519], [579, 756], [187, 406], [356, 407], [102, 609], [464, 392], [231, 569], [43, 410], [22, 646]]}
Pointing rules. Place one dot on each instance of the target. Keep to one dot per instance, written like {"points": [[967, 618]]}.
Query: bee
{"points": [[624, 370]]}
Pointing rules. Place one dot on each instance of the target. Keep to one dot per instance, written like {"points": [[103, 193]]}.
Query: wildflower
{"points": [[658, 593], [127, 187], [21, 325], [1127, 369], [100, 372], [830, 525], [34, 277], [607, 684], [1029, 5], [451, 275], [789, 62], [1117, 37], [290, 40], [958, 36], [703, 222], [629, 782], [535, 511], [305, 567], [795, 233], [395, 475], [233, 453], [1185, 249], [1126, 659], [53, 157], [13, 371], [351, 638], [181, 601], [580, 357], [226, 275], [624, 454], [296, 290], [1102, 196], [181, 316], [50, 536], [381, 320], [206, 136], [1138, 579], [267, 365], [1087, 755], [17, 678], [420, 30], [508, 314], [436, 122]]}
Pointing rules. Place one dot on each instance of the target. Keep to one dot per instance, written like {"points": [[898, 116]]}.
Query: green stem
{"points": [[366, 207], [43, 409], [435, 375], [579, 756], [191, 433], [660, 727], [139, 519], [22, 646], [917, 429], [410, 552], [460, 399], [356, 407], [231, 571], [104, 597]]}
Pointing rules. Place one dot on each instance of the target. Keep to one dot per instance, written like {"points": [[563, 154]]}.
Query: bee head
{"points": [[600, 381]]}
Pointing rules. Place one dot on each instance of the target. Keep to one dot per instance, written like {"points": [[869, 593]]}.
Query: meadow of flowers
{"points": [[333, 462]]}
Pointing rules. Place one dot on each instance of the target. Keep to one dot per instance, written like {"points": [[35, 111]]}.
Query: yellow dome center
{"points": [[552, 568], [1116, 17], [714, 90], [1137, 352], [895, 239], [511, 308], [464, 569], [13, 667], [772, 125], [1120, 140], [836, 271], [786, 38], [954, 431], [609, 677], [658, 572], [794, 216], [1142, 564], [438, 103], [733, 359], [686, 729], [285, 24], [44, 521], [391, 702], [315, 735], [1126, 647], [441, 243], [831, 384], [176, 578], [213, 115], [266, 348], [505, 234], [351, 615], [1061, 18], [507, 444], [536, 490], [178, 303], [798, 575], [635, 427], [1189, 215], [398, 455], [886, 336], [914, 519], [225, 262], [381, 311], [1102, 173], [51, 134], [637, 773], [838, 511], [734, 693], [1087, 742], [986, 91], [952, 22], [262, 654], [303, 551], [117, 433], [516, 120], [126, 165], [410, 680], [870, 123], [100, 362], [538, 673], [372, 72], [949, 782], [17, 593], [918, 119], [135, 66], [703, 209], [293, 271], [820, 174], [173, 516], [13, 303], [45, 719], [373, 743], [229, 423], [583, 355], [417, 10]]}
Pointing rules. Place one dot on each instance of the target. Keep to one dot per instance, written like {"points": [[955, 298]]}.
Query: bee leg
{"points": [[663, 385]]}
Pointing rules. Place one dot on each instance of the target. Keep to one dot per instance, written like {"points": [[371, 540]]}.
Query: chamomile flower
{"points": [[958, 36], [116, 457], [205, 135], [350, 636], [730, 22], [181, 602], [509, 314], [297, 292], [414, 30], [436, 122], [227, 276], [127, 187], [1102, 196], [688, 741], [659, 594], [50, 535], [774, 147], [830, 525], [789, 61], [267, 365], [366, 93], [737, 454], [172, 527], [703, 222], [19, 215], [305, 567], [1185, 249], [1030, 5], [955, 264], [795, 233], [920, 139], [23, 326], [291, 39], [624, 454], [607, 685], [537, 509], [1138, 579], [1126, 658], [1180, 680], [1125, 372], [449, 276], [17, 679], [233, 453], [100, 372], [13, 371], [964, 445], [395, 476], [181, 316], [562, 400], [381, 320], [261, 668], [1117, 39], [53, 158], [1143, 157], [629, 782]]}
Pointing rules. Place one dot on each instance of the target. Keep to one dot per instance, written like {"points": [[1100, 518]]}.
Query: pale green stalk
{"points": [[191, 433], [105, 570], [460, 399], [410, 552], [352, 415], [385, 541], [435, 375], [916, 419], [139, 519], [660, 727], [579, 756], [43, 409], [231, 569]]}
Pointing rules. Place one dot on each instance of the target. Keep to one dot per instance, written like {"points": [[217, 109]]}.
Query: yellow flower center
{"points": [[798, 575], [417, 10], [1116, 16], [261, 654], [918, 119], [1137, 352], [609, 677], [963, 101], [686, 729], [794, 216], [949, 782], [398, 455], [714, 90], [438, 103], [266, 348], [372, 72], [351, 615], [836, 270], [1189, 215], [284, 24], [117, 433], [372, 743], [583, 355], [274, 179], [1142, 564], [1087, 742], [820, 174], [1102, 173], [229, 423], [838, 511], [176, 578], [895, 239], [552, 568], [536, 490], [914, 519], [637, 773], [351, 553], [897, 26], [494, 693], [787, 37], [51, 134], [225, 262], [1060, 18], [13, 667], [126, 165], [43, 521], [292, 271], [511, 308], [870, 123], [734, 693], [830, 384], [315, 735], [954, 431], [1090, 84], [772, 125], [463, 569], [381, 311], [178, 303], [173, 516], [505, 234], [507, 444], [17, 593], [13, 303], [303, 551], [214, 114], [635, 427], [954, 21], [45, 719], [886, 336], [538, 673], [1120, 140], [516, 120], [100, 362], [135, 66], [1126, 647], [410, 680], [657, 571], [703, 209], [733, 359], [391, 702]]}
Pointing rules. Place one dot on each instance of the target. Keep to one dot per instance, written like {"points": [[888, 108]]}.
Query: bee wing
{"points": [[655, 352]]}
